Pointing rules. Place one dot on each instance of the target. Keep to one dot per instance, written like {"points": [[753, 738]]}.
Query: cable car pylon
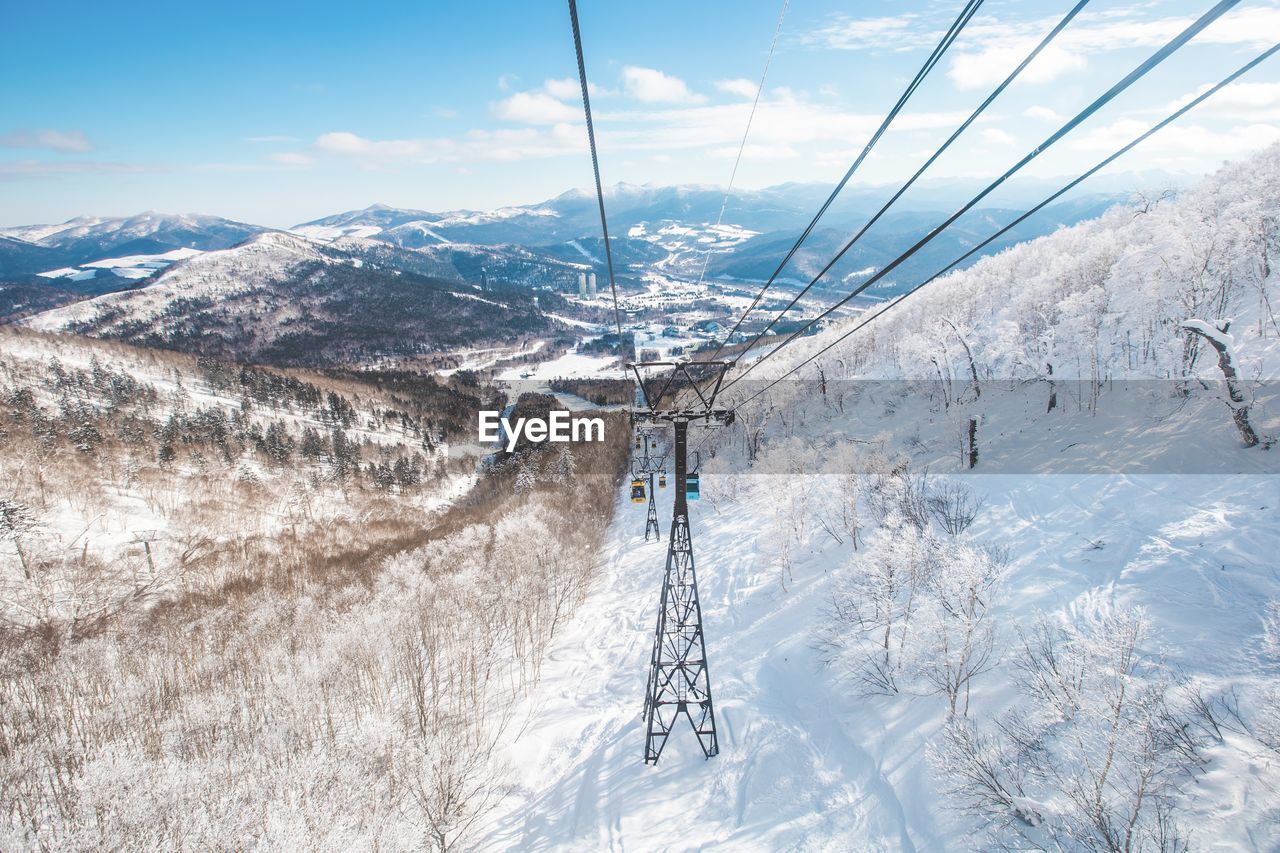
{"points": [[679, 682], [646, 464]]}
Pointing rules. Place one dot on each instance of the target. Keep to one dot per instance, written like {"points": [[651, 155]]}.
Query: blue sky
{"points": [[286, 111]]}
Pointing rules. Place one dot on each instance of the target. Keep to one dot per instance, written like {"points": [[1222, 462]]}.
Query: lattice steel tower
{"points": [[679, 681], [647, 465]]}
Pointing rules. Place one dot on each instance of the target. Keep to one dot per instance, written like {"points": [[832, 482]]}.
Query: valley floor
{"points": [[806, 762]]}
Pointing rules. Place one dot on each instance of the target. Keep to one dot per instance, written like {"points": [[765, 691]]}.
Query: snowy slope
{"points": [[1091, 506], [806, 763], [123, 495], [130, 266], [218, 275]]}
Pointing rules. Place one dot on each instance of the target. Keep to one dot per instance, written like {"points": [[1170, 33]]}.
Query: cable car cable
{"points": [[1128, 80], [1102, 164], [595, 165], [742, 146], [1075, 10], [966, 13]]}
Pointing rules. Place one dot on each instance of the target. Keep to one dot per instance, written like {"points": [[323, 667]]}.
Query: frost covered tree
{"points": [[1094, 756], [526, 477], [870, 635], [956, 624], [17, 521], [914, 614], [1224, 344], [562, 467]]}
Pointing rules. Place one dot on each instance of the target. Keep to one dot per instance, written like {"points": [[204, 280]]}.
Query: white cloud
{"points": [[566, 89], [534, 108], [1244, 26], [349, 144], [868, 33], [1041, 113], [1256, 26], [756, 152], [506, 144], [42, 169], [293, 158], [652, 86], [1248, 101], [792, 122], [990, 47], [1186, 141], [992, 64], [996, 136], [62, 141], [741, 87]]}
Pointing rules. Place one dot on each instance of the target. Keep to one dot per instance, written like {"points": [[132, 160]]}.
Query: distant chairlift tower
{"points": [[679, 682], [646, 464]]}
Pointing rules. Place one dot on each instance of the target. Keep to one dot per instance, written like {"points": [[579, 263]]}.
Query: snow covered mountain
{"points": [[85, 239], [675, 226], [283, 298], [671, 227]]}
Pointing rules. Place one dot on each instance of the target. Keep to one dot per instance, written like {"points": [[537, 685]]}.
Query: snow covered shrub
{"points": [[913, 613], [955, 621], [900, 495], [954, 506], [869, 634], [790, 465], [1094, 755]]}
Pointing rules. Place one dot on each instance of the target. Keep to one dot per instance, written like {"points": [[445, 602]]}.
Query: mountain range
{"points": [[32, 249], [205, 283]]}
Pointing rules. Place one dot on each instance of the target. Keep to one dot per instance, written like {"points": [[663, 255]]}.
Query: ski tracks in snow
{"points": [[788, 776], [805, 762]]}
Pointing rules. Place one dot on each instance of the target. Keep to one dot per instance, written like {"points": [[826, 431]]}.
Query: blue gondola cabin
{"points": [[637, 491], [691, 490]]}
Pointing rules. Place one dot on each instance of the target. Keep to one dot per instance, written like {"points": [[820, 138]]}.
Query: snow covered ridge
{"points": [[283, 298], [379, 220], [148, 224], [214, 275]]}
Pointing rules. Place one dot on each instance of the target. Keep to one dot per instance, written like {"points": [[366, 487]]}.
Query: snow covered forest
{"points": [[224, 589], [964, 587], [1072, 656]]}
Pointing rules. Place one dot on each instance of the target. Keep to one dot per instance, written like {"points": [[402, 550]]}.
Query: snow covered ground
{"points": [[570, 365], [130, 266], [808, 764], [1140, 501]]}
